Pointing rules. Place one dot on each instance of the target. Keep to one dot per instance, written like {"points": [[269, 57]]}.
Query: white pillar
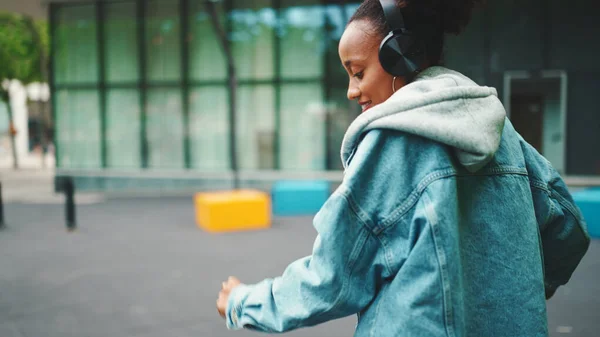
{"points": [[18, 102]]}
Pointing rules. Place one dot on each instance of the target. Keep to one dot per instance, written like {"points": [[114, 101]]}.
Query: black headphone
{"points": [[400, 54]]}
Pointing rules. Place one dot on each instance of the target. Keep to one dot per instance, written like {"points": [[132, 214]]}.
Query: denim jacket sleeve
{"points": [[563, 231], [349, 262], [337, 280]]}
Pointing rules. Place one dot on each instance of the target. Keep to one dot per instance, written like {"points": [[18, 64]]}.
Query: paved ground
{"points": [[35, 186], [140, 267]]}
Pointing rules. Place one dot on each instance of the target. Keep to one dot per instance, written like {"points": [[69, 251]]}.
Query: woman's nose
{"points": [[353, 92]]}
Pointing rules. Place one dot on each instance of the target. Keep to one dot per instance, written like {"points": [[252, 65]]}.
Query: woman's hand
{"points": [[226, 288]]}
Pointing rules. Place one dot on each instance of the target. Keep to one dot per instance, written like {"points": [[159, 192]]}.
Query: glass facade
{"points": [[79, 128], [144, 84]]}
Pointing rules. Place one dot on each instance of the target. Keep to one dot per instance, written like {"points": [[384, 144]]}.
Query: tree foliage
{"points": [[23, 56], [23, 49]]}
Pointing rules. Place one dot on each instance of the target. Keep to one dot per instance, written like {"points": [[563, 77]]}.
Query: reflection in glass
{"points": [[165, 128], [76, 53], [256, 127], [342, 112], [252, 38], [120, 38], [207, 60], [336, 18], [209, 128], [123, 128], [78, 129], [302, 127], [302, 40], [162, 40]]}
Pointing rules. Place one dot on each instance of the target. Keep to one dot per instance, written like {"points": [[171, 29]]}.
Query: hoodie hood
{"points": [[444, 106]]}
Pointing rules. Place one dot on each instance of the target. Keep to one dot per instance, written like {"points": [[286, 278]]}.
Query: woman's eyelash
{"points": [[359, 75]]}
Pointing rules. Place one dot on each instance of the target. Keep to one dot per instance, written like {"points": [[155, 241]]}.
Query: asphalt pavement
{"points": [[140, 267]]}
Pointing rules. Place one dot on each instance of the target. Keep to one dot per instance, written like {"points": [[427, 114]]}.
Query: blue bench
{"points": [[589, 202], [299, 197]]}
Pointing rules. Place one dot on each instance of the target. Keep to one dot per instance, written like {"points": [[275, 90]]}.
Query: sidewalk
{"points": [[36, 186], [31, 161]]}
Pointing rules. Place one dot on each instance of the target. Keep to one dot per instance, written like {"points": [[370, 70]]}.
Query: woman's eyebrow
{"points": [[348, 63]]}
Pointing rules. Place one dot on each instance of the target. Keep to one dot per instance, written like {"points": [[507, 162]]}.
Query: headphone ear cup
{"points": [[400, 55]]}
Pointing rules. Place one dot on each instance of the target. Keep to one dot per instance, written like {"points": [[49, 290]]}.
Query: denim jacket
{"points": [[447, 223]]}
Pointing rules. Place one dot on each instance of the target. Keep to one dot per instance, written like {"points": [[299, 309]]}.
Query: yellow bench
{"points": [[229, 211]]}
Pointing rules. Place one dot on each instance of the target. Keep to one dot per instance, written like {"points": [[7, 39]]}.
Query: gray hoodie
{"points": [[442, 105]]}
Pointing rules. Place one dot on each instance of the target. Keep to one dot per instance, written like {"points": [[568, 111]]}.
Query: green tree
{"points": [[23, 56]]}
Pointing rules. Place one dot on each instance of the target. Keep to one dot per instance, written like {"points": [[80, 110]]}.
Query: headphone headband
{"points": [[393, 16], [401, 53]]}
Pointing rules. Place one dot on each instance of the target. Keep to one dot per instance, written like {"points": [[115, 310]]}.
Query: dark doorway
{"points": [[537, 107], [527, 115]]}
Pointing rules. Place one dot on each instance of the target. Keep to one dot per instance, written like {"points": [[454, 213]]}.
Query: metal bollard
{"points": [[70, 204], [2, 223]]}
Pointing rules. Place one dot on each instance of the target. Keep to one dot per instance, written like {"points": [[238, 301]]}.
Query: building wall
{"points": [[173, 97], [553, 137], [583, 156], [536, 35], [160, 104]]}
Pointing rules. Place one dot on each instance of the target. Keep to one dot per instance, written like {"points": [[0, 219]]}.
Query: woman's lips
{"points": [[365, 105]]}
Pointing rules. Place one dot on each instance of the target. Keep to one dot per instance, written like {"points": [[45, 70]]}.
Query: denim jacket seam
{"points": [[540, 185], [386, 253], [360, 214], [553, 194], [541, 249], [504, 169], [569, 206], [442, 262], [413, 197], [349, 270], [566, 204], [377, 307], [366, 223], [358, 246], [553, 211]]}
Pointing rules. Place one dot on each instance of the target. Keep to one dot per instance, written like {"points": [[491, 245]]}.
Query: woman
{"points": [[447, 222]]}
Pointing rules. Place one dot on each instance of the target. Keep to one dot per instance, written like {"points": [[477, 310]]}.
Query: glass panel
{"points": [[252, 38], [302, 127], [583, 124], [162, 40], [165, 128], [207, 60], [336, 18], [342, 112], [123, 127], [350, 9], [302, 39], [76, 55], [120, 36], [256, 127], [78, 129], [209, 128]]}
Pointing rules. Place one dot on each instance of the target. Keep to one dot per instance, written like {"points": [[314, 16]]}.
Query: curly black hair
{"points": [[430, 20]]}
